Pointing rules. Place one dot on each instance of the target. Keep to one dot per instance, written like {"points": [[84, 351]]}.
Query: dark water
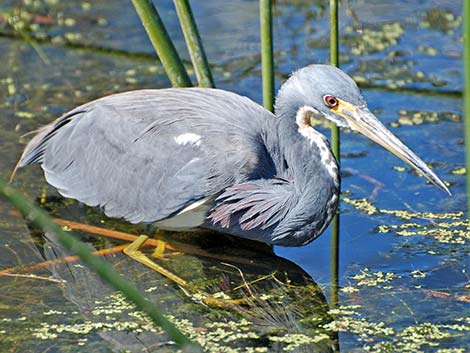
{"points": [[404, 256]]}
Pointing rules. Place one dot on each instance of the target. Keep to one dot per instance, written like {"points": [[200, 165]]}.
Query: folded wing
{"points": [[146, 155]]}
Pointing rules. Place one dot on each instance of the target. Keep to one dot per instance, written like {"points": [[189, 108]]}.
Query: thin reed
{"points": [[162, 43], [267, 61], [335, 144], [194, 43]]}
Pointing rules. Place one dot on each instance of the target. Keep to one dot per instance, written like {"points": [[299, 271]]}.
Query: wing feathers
{"points": [[260, 203], [131, 154]]}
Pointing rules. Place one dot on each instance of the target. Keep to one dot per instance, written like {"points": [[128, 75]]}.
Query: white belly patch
{"points": [[188, 218]]}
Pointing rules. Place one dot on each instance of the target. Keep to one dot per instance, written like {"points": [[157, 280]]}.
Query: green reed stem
{"points": [[334, 60], [194, 43], [102, 268], [267, 61], [162, 43], [466, 70], [335, 144]]}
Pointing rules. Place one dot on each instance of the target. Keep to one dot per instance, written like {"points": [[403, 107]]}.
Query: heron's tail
{"points": [[34, 150]]}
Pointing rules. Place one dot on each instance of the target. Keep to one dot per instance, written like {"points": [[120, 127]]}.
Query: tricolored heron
{"points": [[186, 158]]}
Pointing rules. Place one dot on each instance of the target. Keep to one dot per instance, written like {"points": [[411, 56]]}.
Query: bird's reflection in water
{"points": [[272, 304]]}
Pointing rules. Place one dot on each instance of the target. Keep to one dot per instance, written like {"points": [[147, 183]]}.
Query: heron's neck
{"points": [[306, 161], [306, 153]]}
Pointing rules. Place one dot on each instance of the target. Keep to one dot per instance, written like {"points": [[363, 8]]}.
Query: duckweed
{"points": [[414, 117], [441, 20], [362, 204], [448, 228], [378, 337], [372, 279], [372, 40], [459, 171]]}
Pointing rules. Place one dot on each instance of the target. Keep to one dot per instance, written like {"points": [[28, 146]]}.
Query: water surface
{"points": [[404, 256]]}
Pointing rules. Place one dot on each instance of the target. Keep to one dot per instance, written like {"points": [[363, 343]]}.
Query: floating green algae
{"points": [[373, 279], [448, 228], [378, 337], [371, 40], [441, 20], [280, 307], [415, 117]]}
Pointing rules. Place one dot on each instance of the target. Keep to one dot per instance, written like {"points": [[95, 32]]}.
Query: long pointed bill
{"points": [[362, 120]]}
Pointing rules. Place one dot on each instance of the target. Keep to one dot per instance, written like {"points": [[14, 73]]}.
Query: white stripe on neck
{"points": [[316, 139]]}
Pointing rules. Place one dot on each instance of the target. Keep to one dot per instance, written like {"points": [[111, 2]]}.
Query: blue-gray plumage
{"points": [[194, 157]]}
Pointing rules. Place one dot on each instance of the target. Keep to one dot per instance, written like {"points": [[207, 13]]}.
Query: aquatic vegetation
{"points": [[448, 233], [372, 279], [370, 40], [426, 297], [410, 117], [114, 314], [459, 171], [378, 72], [362, 205], [378, 337], [441, 20], [448, 228]]}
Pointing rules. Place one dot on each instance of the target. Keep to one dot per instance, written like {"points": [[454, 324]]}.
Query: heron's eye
{"points": [[331, 101]]}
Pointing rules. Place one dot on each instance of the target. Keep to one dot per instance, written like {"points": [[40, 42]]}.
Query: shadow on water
{"points": [[273, 303]]}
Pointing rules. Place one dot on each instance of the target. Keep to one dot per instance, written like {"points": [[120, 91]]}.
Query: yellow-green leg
{"points": [[159, 251], [134, 253], [132, 250]]}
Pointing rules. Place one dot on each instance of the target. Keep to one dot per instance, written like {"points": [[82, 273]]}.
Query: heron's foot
{"points": [[159, 251], [213, 300], [134, 253], [43, 199]]}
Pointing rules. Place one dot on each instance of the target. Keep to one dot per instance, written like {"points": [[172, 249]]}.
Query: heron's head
{"points": [[327, 91]]}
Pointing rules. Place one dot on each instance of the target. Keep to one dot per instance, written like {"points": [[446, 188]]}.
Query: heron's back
{"points": [[146, 155]]}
